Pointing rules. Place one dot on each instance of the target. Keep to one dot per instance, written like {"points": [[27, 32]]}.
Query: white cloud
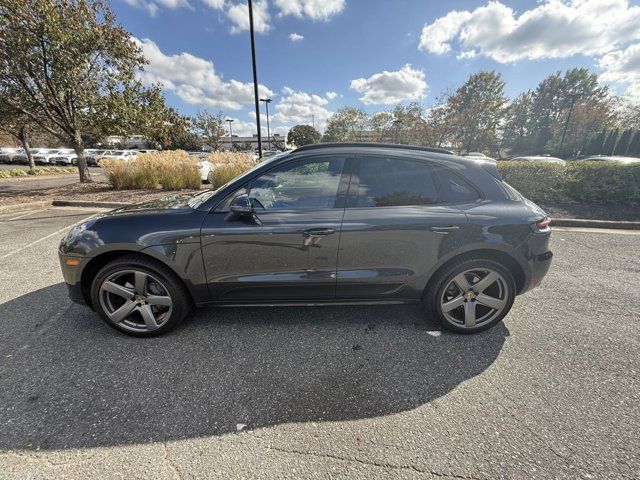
{"points": [[391, 87], [153, 6], [194, 79], [216, 4], [314, 9], [295, 37], [553, 29], [297, 107], [623, 66], [331, 95], [467, 54], [239, 16]]}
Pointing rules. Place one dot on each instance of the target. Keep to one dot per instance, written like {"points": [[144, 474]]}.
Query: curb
{"points": [[584, 223], [83, 203], [24, 207]]}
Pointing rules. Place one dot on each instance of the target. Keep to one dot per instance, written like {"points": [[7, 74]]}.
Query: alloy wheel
{"points": [[474, 297], [136, 300]]}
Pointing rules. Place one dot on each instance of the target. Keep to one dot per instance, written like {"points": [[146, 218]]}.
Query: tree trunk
{"points": [[23, 137], [83, 169]]}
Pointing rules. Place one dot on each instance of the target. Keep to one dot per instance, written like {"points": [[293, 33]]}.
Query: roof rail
{"points": [[373, 145]]}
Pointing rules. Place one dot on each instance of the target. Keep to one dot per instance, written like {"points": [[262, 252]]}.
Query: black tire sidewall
{"points": [[179, 307], [442, 279]]}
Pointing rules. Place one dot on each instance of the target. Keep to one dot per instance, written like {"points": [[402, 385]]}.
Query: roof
{"points": [[319, 146]]}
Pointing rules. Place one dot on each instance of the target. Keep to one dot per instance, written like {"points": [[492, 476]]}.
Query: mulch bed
{"points": [[94, 191]]}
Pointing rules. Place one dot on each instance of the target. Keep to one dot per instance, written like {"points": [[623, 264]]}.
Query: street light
{"points": [[230, 121], [255, 77], [267, 101]]}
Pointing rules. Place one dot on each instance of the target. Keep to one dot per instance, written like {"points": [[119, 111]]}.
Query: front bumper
{"points": [[72, 275]]}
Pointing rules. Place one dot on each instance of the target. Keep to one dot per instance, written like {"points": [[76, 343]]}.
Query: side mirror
{"points": [[241, 205]]}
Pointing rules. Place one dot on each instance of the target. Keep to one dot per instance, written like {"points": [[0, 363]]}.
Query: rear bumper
{"points": [[539, 266]]}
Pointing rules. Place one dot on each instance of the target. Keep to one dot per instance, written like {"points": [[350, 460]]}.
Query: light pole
{"points": [[267, 101], [566, 124], [255, 77], [230, 121]]}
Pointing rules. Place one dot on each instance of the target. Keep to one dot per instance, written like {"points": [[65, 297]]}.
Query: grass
{"points": [[18, 172]]}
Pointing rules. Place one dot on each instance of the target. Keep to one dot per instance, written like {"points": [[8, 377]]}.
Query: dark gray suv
{"points": [[324, 224]]}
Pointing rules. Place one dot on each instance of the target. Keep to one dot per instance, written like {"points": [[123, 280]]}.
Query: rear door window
{"points": [[392, 181]]}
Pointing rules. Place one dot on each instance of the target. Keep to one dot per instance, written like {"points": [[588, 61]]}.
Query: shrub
{"points": [[173, 170], [17, 172], [596, 183], [4, 173], [224, 172]]}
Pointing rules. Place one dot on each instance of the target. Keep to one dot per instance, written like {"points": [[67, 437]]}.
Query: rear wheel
{"points": [[139, 297], [469, 296]]}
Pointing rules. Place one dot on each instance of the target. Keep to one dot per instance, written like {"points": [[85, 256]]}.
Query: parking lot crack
{"points": [[168, 461], [384, 465]]}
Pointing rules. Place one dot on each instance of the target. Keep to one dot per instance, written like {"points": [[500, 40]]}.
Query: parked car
{"points": [[539, 158], [43, 156], [7, 154], [612, 158], [479, 156], [66, 157], [206, 168], [126, 155], [93, 156], [324, 224]]}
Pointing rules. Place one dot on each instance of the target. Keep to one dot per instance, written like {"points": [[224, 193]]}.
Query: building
{"points": [[275, 139], [133, 141]]}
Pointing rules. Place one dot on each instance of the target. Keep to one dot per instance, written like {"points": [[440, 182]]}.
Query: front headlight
{"points": [[81, 227]]}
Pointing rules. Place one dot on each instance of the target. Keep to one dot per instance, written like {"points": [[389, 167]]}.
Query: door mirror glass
{"points": [[241, 205]]}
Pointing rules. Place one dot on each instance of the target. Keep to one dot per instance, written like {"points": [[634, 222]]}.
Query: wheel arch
{"points": [[96, 263], [504, 258]]}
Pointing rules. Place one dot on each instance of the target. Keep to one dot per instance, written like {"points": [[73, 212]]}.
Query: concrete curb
{"points": [[24, 207], [584, 223], [89, 204]]}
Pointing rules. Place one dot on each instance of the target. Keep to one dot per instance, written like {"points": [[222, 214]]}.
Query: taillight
{"points": [[542, 226]]}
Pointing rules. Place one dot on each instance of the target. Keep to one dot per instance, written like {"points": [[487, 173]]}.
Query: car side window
{"points": [[391, 181], [453, 188], [305, 184]]}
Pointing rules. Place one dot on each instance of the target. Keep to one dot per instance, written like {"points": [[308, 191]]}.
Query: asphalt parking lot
{"points": [[358, 392]]}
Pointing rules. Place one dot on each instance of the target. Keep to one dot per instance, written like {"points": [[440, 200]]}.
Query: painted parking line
{"points": [[596, 230], [57, 232]]}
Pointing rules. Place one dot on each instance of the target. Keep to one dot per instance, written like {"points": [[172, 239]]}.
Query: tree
{"points": [[210, 127], [301, 135], [381, 126], [18, 125], [610, 142], [345, 125], [634, 145], [517, 130], [623, 144], [476, 110], [180, 134], [70, 68]]}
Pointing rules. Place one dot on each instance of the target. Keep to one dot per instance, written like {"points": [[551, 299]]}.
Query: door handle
{"points": [[318, 232], [443, 228]]}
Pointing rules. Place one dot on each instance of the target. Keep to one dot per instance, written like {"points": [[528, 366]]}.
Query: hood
{"points": [[168, 202]]}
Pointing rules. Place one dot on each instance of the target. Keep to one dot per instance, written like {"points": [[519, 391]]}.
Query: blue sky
{"points": [[371, 53]]}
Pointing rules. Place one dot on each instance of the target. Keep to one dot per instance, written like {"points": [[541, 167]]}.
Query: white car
{"points": [[126, 155], [613, 158], [43, 156], [206, 168], [539, 159], [66, 157], [479, 156], [7, 154]]}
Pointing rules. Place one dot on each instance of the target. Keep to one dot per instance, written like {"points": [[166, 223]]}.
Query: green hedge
{"points": [[596, 183]]}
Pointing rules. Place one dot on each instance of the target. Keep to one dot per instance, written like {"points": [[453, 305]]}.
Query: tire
{"points": [[139, 296], [480, 304]]}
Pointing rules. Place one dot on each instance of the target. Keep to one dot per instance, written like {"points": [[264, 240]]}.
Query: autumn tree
{"points": [[476, 110], [210, 127], [300, 135], [346, 125], [70, 68], [18, 126]]}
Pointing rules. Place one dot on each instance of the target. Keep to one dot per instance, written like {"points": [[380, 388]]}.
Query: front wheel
{"points": [[139, 297], [470, 296]]}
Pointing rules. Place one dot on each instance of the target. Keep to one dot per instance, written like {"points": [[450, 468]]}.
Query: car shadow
{"points": [[67, 380]]}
